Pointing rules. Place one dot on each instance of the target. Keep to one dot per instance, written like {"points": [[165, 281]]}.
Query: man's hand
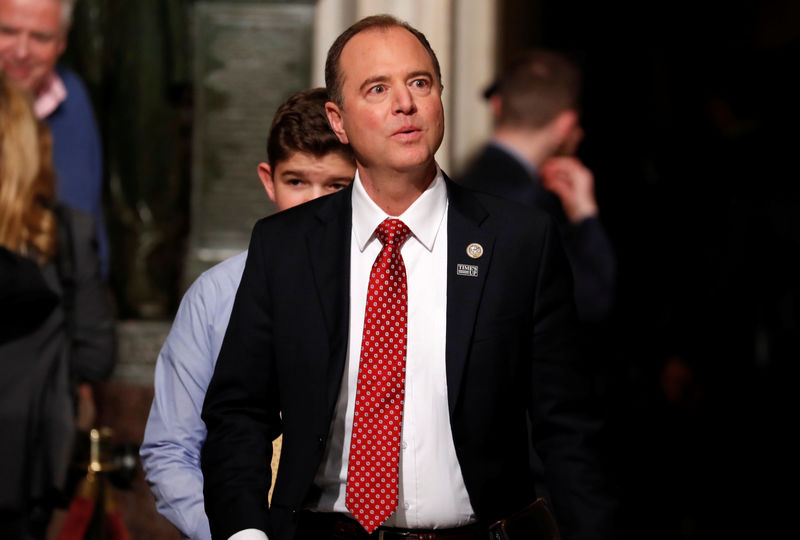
{"points": [[573, 183]]}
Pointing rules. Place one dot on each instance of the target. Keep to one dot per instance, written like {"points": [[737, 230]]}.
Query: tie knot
{"points": [[392, 232]]}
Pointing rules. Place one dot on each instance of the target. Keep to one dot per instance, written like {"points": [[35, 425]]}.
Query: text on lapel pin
{"points": [[468, 270]]}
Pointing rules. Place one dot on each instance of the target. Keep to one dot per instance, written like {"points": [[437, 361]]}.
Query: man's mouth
{"points": [[16, 68], [406, 133], [17, 72]]}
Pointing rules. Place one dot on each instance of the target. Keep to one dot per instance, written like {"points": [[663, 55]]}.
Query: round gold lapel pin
{"points": [[475, 250]]}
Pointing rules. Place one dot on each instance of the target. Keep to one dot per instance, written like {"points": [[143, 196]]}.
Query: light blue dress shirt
{"points": [[175, 433]]}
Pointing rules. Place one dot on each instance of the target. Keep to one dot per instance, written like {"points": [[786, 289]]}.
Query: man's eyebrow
{"points": [[384, 78], [44, 35], [420, 73], [372, 80], [299, 173]]}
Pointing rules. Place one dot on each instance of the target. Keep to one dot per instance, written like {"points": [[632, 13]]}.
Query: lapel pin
{"points": [[469, 270], [475, 250]]}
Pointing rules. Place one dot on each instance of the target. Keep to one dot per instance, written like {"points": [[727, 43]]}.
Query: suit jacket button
{"points": [[321, 442]]}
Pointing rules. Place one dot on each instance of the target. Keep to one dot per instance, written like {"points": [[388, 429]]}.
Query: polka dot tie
{"points": [[372, 474]]}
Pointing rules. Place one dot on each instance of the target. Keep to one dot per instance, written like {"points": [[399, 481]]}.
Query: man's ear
{"points": [[265, 174], [568, 132], [565, 123], [335, 120], [496, 106]]}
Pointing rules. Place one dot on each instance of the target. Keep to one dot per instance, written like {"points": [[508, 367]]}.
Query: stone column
{"points": [[475, 62], [249, 56]]}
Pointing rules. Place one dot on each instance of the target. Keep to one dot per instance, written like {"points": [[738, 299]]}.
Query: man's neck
{"points": [[394, 191], [532, 145]]}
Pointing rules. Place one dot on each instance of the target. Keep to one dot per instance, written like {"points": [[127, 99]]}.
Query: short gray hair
{"points": [[66, 13], [537, 86]]}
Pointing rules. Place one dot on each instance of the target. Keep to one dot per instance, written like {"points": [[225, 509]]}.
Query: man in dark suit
{"points": [[535, 106], [477, 335]]}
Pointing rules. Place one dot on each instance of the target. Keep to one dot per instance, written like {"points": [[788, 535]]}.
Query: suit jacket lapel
{"points": [[329, 252], [464, 283]]}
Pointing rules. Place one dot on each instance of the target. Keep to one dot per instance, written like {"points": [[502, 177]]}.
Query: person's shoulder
{"points": [[473, 173], [80, 223], [72, 81], [225, 268], [208, 301], [221, 279], [308, 216], [494, 170], [500, 211], [78, 105]]}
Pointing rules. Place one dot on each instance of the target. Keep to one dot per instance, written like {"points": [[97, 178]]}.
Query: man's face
{"points": [[304, 176], [31, 40], [392, 112]]}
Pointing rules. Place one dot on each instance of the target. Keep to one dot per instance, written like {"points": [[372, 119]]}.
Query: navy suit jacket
{"points": [[510, 352]]}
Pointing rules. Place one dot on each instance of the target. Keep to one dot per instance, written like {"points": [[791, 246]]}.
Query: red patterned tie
{"points": [[372, 473]]}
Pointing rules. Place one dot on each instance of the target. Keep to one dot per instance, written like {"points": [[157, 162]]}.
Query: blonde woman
{"points": [[56, 326]]}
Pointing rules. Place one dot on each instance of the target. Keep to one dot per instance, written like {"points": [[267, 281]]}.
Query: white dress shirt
{"points": [[432, 491]]}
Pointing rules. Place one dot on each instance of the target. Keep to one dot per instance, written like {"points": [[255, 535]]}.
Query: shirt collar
{"points": [[423, 217], [52, 95]]}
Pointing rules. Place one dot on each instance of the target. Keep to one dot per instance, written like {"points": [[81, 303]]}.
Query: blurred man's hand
{"points": [[573, 183]]}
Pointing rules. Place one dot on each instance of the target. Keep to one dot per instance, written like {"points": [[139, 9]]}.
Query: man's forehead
{"points": [[365, 39], [39, 13], [299, 160], [360, 50]]}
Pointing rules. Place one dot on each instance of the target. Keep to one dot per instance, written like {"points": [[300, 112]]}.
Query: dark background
{"points": [[691, 115]]}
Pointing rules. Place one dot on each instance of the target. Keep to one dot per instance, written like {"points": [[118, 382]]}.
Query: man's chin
{"points": [[425, 166], [414, 157], [24, 81]]}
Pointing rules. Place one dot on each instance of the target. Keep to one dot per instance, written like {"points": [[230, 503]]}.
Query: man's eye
{"points": [[337, 187], [377, 89], [43, 38], [419, 83], [294, 182]]}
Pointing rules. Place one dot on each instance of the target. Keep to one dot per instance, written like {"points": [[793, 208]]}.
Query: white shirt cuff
{"points": [[249, 534]]}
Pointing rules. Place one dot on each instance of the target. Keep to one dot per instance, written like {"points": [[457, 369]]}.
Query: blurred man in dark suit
{"points": [[536, 109]]}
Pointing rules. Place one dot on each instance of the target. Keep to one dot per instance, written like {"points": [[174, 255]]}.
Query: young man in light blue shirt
{"points": [[305, 161]]}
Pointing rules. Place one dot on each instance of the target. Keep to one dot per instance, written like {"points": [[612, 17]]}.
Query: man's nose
{"points": [[404, 101], [21, 46]]}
